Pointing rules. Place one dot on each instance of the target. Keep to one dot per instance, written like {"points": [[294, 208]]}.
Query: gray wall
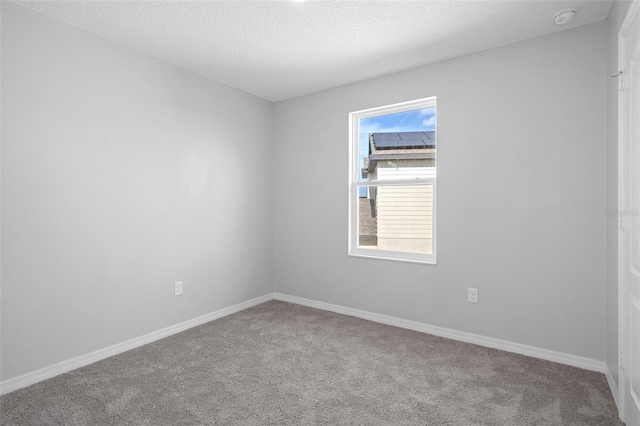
{"points": [[521, 195], [616, 16], [120, 175]]}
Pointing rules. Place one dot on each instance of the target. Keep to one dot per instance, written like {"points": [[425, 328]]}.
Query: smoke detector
{"points": [[564, 16]]}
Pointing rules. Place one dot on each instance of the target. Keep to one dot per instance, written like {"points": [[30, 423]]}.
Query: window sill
{"points": [[396, 257]]}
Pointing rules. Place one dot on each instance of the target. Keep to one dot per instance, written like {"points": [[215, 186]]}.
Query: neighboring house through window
{"points": [[393, 182]]}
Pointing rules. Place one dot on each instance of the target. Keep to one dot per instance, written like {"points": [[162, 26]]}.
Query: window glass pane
{"points": [[397, 146], [396, 218]]}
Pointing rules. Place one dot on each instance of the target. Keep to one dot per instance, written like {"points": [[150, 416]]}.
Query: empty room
{"points": [[320, 212]]}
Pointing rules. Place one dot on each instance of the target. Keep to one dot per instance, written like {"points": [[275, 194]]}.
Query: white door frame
{"points": [[623, 332]]}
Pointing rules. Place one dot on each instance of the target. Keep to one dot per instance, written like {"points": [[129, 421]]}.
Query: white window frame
{"points": [[354, 183]]}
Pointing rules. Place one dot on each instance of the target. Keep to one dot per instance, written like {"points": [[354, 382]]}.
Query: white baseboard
{"points": [[612, 384], [562, 358], [48, 372]]}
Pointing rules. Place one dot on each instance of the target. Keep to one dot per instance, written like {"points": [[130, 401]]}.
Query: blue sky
{"points": [[418, 120]]}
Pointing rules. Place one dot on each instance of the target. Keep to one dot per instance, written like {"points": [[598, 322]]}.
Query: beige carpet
{"points": [[284, 364]]}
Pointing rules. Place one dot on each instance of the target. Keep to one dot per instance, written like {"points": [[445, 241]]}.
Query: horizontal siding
{"points": [[405, 212]]}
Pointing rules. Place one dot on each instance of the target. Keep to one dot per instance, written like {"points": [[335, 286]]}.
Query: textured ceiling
{"points": [[282, 49]]}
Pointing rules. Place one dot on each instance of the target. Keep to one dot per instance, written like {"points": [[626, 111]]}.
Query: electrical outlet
{"points": [[472, 295], [177, 288]]}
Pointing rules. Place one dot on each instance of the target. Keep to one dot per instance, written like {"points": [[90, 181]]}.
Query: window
{"points": [[392, 178]]}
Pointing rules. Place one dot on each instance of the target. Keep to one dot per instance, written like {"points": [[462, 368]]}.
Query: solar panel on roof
{"points": [[404, 140]]}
